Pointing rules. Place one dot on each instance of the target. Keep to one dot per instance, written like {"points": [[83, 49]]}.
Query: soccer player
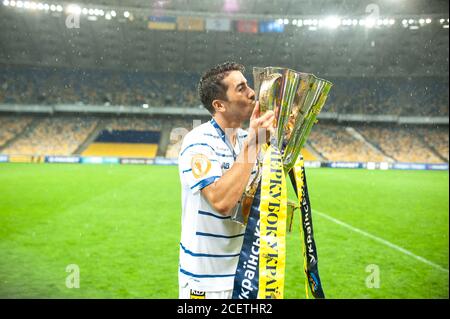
{"points": [[215, 165]]}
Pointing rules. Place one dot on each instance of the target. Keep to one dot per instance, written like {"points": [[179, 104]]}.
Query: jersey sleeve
{"points": [[199, 165]]}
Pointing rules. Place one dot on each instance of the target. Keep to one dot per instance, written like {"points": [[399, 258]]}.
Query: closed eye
{"points": [[241, 87]]}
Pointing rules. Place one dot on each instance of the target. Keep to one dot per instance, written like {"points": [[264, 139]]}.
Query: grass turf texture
{"points": [[121, 226]]}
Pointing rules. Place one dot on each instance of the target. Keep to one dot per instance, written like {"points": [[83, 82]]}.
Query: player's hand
{"points": [[261, 125]]}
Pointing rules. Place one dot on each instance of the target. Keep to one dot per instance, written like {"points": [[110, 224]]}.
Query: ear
{"points": [[218, 105]]}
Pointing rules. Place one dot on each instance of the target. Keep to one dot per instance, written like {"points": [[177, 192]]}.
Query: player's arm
{"points": [[226, 191]]}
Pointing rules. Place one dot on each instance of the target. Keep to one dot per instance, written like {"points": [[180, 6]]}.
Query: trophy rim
{"points": [[299, 72]]}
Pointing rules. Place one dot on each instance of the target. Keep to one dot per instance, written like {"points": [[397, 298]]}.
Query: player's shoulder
{"points": [[202, 134]]}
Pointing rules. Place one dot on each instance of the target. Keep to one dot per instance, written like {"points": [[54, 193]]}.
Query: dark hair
{"points": [[211, 86]]}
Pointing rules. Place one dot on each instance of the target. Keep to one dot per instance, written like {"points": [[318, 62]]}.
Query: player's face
{"points": [[240, 97]]}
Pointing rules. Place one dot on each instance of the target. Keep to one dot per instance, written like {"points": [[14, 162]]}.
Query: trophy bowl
{"points": [[296, 99]]}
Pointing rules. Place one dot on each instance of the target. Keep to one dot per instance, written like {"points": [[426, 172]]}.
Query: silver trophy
{"points": [[296, 99]]}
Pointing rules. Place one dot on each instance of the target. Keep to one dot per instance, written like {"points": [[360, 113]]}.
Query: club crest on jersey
{"points": [[200, 165]]}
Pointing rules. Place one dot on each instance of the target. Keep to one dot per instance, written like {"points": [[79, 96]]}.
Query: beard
{"points": [[250, 107]]}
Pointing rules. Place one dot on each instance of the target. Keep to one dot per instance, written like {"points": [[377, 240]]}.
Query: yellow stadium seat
{"points": [[307, 155], [121, 150]]}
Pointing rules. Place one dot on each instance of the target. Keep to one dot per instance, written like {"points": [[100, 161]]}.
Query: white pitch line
{"points": [[381, 240]]}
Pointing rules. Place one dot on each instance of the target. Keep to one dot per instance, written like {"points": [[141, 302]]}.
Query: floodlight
{"points": [[73, 9]]}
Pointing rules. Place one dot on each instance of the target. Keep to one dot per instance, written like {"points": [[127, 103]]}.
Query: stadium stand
{"points": [[174, 147], [126, 137], [52, 136], [141, 137], [335, 143], [121, 149], [133, 123], [398, 69], [437, 139], [402, 144], [179, 130], [308, 155], [11, 126], [100, 87], [418, 96]]}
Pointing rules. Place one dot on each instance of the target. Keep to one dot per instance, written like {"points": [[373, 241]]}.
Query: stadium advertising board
{"points": [[62, 159], [174, 161], [111, 160], [166, 161], [344, 165], [371, 165], [92, 160], [137, 161], [312, 164], [438, 167], [376, 165], [26, 159], [409, 166]]}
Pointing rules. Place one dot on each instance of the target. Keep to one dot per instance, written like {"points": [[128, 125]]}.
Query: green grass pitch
{"points": [[121, 226]]}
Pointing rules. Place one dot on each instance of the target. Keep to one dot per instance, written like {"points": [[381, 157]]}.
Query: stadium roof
{"points": [[306, 7], [44, 39]]}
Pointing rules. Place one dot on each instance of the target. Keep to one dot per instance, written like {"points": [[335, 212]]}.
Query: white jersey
{"points": [[210, 242]]}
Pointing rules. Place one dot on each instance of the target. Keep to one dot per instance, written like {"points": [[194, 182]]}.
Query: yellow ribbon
{"points": [[273, 213]]}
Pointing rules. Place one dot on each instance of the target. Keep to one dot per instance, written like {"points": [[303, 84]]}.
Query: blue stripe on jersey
{"points": [[213, 215], [203, 276], [224, 155], [205, 182], [211, 135], [217, 235], [195, 144], [204, 144], [206, 255]]}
